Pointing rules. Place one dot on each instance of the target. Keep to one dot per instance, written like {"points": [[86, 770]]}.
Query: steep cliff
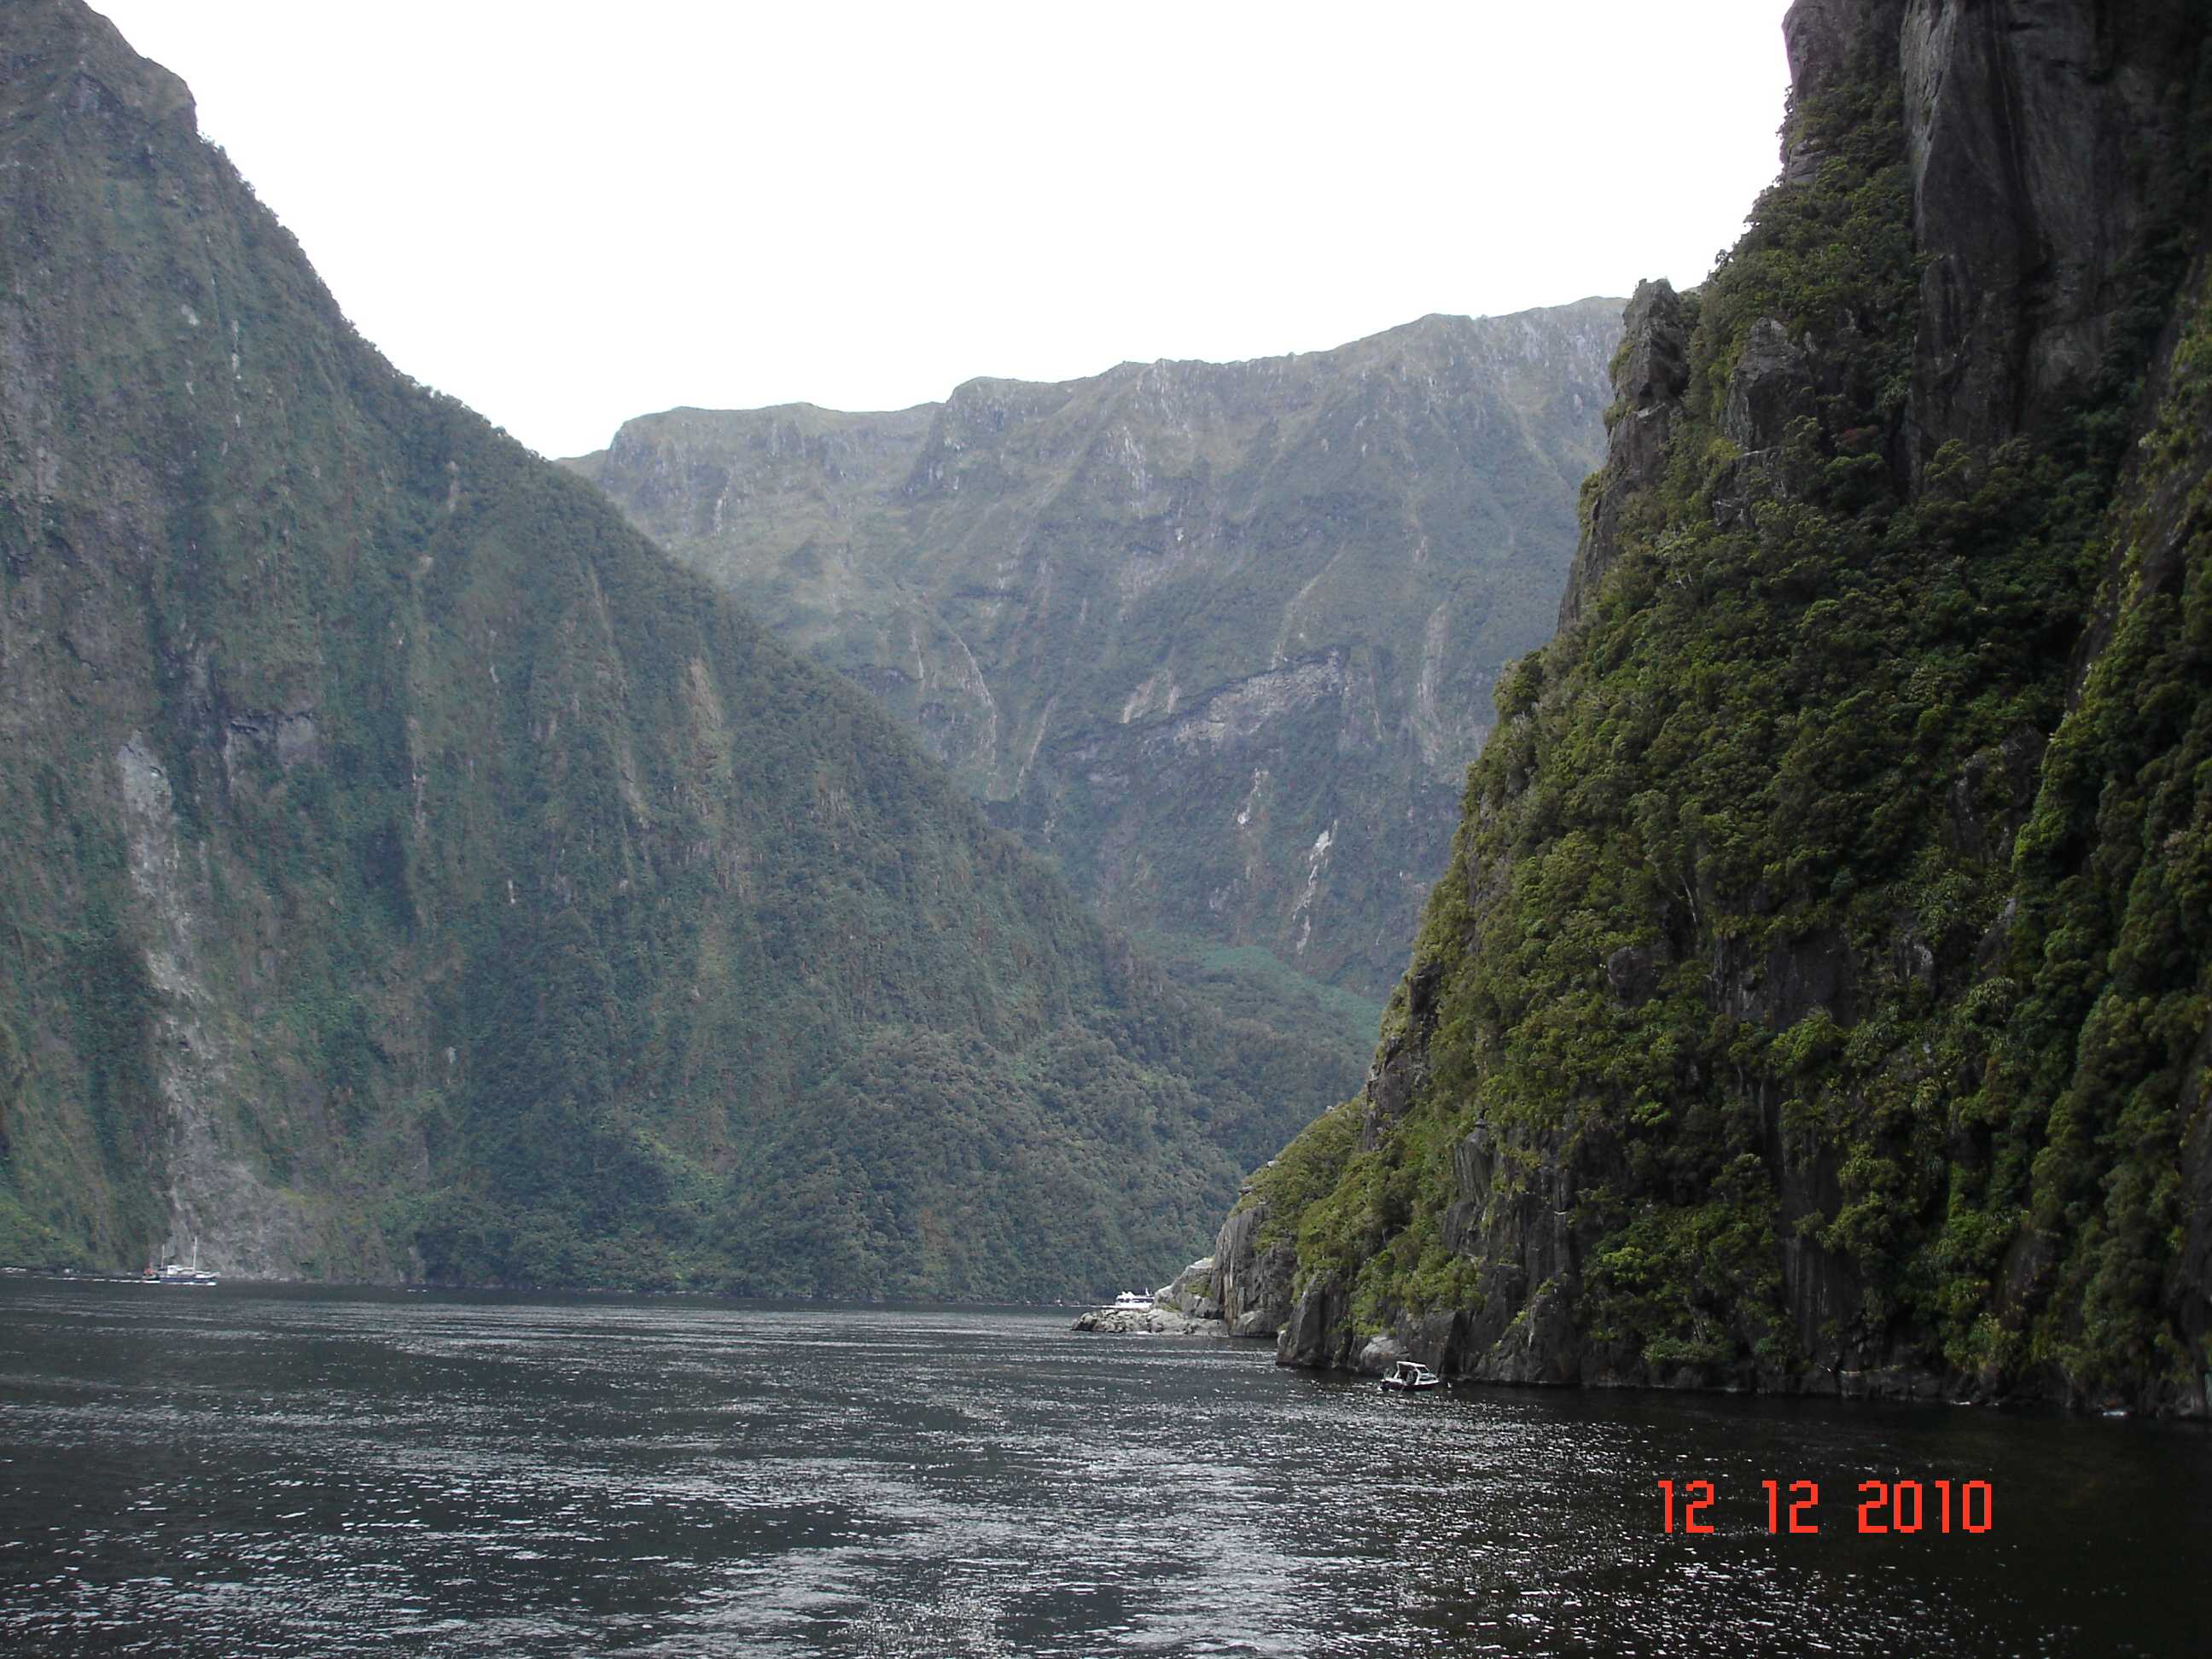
{"points": [[1820, 994], [410, 873], [1221, 637]]}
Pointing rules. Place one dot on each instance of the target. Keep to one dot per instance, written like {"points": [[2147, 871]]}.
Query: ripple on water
{"points": [[311, 1475]]}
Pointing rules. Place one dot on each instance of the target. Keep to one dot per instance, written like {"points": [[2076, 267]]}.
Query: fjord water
{"points": [[243, 1471]]}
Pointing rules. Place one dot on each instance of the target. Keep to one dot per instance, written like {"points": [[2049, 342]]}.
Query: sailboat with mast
{"points": [[175, 1272]]}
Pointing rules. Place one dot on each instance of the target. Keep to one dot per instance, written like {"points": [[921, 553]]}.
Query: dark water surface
{"points": [[245, 1470]]}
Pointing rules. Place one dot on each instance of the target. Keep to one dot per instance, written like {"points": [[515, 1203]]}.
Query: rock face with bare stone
{"points": [[1146, 1322]]}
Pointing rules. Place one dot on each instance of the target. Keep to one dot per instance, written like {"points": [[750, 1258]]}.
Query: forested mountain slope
{"points": [[1820, 995], [1220, 637], [410, 873]]}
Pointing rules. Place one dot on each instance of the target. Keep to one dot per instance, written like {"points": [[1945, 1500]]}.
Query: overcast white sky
{"points": [[567, 214]]}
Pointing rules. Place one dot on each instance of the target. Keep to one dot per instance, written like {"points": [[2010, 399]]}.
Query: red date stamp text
{"points": [[1884, 1506]]}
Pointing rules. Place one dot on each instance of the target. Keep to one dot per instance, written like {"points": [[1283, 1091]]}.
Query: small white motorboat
{"points": [[1407, 1377], [1133, 1300]]}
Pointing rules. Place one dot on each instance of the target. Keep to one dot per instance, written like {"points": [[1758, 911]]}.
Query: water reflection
{"points": [[238, 1472]]}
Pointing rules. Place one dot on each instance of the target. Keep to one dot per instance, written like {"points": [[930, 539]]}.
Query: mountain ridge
{"points": [[1043, 578]]}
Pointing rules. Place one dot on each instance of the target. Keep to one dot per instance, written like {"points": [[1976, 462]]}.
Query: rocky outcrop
{"points": [[1649, 373], [1771, 389], [1146, 1322], [1254, 1279], [1319, 1334], [1195, 1291], [1190, 1305], [1820, 37]]}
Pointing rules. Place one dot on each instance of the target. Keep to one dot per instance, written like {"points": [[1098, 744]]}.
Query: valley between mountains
{"points": [[1663, 842], [413, 875]]}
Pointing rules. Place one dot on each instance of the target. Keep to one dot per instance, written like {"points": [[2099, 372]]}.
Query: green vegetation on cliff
{"points": [[1820, 994], [411, 872]]}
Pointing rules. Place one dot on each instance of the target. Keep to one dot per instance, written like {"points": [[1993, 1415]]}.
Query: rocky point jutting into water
{"points": [[1188, 1305], [1220, 637], [1819, 997]]}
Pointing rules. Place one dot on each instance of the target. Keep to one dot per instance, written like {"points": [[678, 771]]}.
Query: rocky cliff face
{"points": [[410, 873], [1820, 994], [1220, 637]]}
